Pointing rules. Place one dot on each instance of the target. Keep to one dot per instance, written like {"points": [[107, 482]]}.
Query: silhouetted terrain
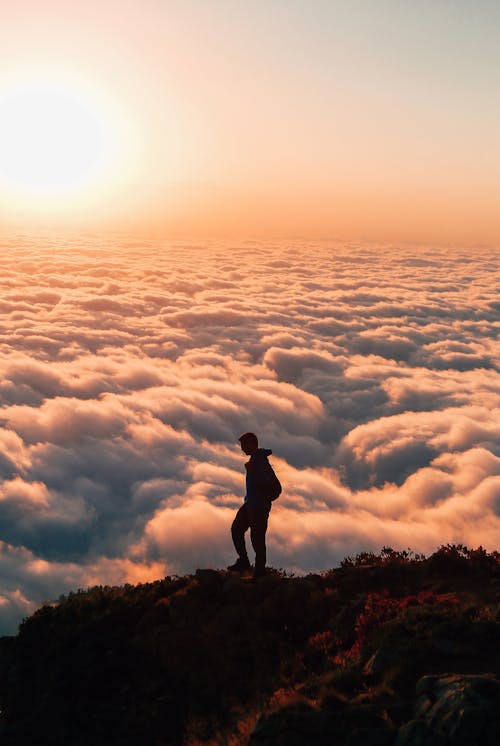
{"points": [[387, 649]]}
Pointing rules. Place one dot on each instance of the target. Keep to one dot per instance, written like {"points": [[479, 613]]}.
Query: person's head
{"points": [[249, 443]]}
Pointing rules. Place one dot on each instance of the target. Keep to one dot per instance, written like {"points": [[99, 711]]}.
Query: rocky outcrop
{"points": [[451, 710], [454, 710]]}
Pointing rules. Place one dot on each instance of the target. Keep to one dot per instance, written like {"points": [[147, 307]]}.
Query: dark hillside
{"points": [[387, 649]]}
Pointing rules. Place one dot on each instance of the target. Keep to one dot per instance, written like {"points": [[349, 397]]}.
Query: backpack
{"points": [[273, 486]]}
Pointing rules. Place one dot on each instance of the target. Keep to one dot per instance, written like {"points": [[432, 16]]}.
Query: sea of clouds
{"points": [[129, 368]]}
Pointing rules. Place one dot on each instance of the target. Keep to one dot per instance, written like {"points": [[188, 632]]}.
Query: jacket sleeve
{"points": [[261, 475]]}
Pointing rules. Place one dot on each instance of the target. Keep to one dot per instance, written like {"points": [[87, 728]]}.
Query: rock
{"points": [[384, 658], [464, 710], [425, 685], [423, 705], [418, 733]]}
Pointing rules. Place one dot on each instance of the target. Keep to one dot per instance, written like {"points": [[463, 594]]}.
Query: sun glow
{"points": [[53, 140]]}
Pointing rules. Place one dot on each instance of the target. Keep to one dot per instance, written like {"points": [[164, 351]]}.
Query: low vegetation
{"points": [[213, 658]]}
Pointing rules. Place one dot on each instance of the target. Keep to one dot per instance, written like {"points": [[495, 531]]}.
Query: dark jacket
{"points": [[258, 475]]}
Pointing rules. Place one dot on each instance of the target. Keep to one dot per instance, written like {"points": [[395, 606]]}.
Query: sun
{"points": [[53, 140]]}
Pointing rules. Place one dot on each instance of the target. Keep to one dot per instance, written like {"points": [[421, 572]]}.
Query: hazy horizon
{"points": [[210, 117]]}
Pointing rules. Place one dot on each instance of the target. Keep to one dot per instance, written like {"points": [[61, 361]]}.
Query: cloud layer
{"points": [[129, 367]]}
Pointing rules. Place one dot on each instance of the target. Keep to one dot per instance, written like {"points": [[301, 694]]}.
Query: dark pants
{"points": [[255, 519]]}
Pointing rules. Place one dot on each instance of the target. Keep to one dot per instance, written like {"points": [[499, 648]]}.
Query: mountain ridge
{"points": [[347, 656]]}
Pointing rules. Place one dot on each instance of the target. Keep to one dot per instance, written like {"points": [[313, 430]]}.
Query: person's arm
{"points": [[261, 478]]}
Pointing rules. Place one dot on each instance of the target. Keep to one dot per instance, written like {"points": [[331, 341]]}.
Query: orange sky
{"points": [[356, 119]]}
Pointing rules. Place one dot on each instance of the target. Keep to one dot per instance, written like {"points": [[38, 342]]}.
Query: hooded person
{"points": [[261, 488]]}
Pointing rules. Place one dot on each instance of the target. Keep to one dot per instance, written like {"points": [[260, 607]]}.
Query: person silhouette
{"points": [[254, 513]]}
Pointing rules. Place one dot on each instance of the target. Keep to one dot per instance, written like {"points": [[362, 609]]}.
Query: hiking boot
{"points": [[241, 565]]}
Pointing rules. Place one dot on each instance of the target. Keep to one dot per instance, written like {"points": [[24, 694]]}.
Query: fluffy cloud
{"points": [[128, 368]]}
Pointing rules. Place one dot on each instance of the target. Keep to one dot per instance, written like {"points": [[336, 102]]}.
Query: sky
{"points": [[354, 119]]}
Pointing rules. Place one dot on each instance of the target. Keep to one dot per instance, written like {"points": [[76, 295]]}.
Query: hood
{"points": [[262, 453]]}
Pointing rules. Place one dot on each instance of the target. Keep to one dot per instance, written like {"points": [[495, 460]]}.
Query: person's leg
{"points": [[258, 527], [240, 525]]}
